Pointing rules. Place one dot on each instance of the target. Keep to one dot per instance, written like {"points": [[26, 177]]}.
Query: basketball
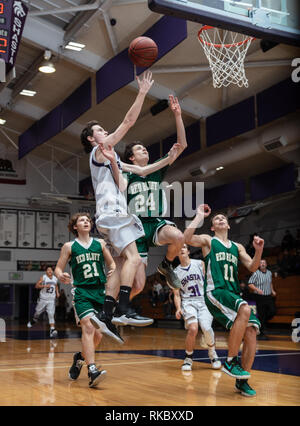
{"points": [[143, 51]]}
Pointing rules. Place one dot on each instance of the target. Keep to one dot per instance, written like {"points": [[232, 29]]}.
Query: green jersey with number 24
{"points": [[145, 196]]}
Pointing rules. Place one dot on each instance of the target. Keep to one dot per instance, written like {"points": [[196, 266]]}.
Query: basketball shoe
{"points": [[234, 369], [214, 359], [76, 367], [167, 271], [131, 317], [96, 376], [243, 387], [187, 364], [102, 322], [53, 333]]}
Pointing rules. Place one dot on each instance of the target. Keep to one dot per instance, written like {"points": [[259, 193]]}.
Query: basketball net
{"points": [[226, 55]]}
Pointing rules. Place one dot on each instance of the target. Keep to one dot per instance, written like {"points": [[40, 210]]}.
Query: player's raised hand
{"points": [[108, 152], [145, 83], [174, 105], [258, 243], [203, 210]]}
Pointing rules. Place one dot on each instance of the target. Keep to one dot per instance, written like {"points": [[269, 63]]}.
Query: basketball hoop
{"points": [[226, 60]]}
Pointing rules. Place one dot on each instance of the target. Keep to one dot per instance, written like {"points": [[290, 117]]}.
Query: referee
{"points": [[261, 284]]}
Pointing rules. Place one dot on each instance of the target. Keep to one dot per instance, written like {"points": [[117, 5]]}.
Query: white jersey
{"points": [[110, 201], [48, 293], [192, 280]]}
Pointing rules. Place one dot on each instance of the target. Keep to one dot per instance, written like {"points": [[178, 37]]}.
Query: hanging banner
{"points": [[44, 230], [26, 229], [8, 228], [12, 170], [61, 232], [12, 19]]}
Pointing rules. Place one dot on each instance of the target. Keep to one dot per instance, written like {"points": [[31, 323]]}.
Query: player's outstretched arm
{"points": [[64, 257], [151, 168], [252, 264], [145, 84], [202, 240], [181, 135]]}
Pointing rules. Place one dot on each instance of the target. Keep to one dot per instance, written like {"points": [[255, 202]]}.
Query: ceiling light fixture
{"points": [[219, 168], [46, 66], [75, 46], [2, 121], [28, 92]]}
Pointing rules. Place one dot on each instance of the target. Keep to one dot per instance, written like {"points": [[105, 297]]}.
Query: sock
{"points": [[124, 298], [52, 328], [175, 262], [167, 261], [229, 358], [92, 367], [108, 306], [189, 354]]}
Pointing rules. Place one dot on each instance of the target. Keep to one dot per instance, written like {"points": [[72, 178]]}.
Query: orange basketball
{"points": [[143, 51]]}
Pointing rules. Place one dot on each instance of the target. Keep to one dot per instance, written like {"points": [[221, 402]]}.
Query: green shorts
{"points": [[88, 301], [151, 228], [224, 305]]}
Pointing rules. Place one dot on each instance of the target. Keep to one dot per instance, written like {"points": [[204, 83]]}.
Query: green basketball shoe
{"points": [[234, 369], [244, 388]]}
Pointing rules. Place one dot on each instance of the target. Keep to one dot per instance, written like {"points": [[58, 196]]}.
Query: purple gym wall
{"points": [[56, 120]]}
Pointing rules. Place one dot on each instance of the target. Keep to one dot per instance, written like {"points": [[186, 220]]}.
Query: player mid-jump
{"points": [[222, 291]]}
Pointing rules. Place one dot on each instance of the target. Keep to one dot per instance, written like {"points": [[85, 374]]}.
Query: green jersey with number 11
{"points": [[221, 266], [87, 264]]}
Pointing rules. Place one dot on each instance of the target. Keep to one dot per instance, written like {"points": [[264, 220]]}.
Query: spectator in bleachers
{"points": [[288, 241], [286, 263], [297, 262], [157, 293]]}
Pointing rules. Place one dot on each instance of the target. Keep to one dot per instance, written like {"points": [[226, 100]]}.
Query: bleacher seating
{"points": [[287, 299]]}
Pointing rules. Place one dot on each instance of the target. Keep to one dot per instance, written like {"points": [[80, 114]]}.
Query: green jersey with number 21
{"points": [[87, 264]]}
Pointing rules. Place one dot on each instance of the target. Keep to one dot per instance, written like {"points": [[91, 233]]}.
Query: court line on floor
{"points": [[130, 363]]}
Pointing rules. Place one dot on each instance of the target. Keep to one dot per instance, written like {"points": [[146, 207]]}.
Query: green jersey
{"points": [[221, 267], [145, 196], [87, 264]]}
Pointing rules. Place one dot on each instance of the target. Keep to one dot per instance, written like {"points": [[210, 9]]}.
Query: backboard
{"points": [[274, 20]]}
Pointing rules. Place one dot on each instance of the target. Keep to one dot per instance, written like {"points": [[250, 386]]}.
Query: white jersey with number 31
{"points": [[192, 279]]}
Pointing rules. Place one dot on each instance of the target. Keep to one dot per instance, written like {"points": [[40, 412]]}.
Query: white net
{"points": [[226, 52]]}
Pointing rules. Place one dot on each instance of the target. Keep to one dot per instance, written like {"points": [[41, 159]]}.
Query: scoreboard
{"points": [[12, 19]]}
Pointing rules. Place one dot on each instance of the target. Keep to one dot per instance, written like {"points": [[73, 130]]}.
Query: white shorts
{"points": [[195, 310], [45, 305], [120, 231]]}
